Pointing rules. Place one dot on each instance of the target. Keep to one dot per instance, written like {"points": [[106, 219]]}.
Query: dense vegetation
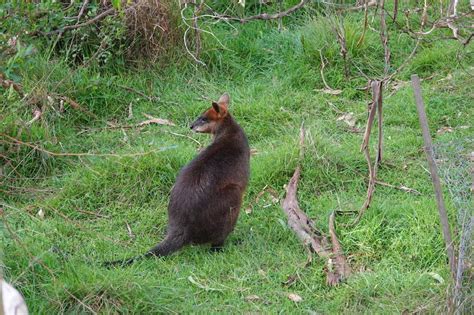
{"points": [[65, 214]]}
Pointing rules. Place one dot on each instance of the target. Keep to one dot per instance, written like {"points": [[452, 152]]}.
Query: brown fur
{"points": [[206, 197]]}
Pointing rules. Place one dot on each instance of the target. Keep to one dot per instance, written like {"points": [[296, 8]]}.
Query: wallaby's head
{"points": [[212, 117]]}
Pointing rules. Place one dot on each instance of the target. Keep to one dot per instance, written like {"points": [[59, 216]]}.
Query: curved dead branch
{"points": [[305, 229]]}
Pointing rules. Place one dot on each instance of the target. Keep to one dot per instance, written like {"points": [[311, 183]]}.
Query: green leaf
{"points": [[117, 4]]}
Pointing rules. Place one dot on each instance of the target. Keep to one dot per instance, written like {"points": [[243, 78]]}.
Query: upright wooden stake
{"points": [[434, 173]]}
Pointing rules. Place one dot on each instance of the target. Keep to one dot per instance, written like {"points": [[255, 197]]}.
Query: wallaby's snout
{"points": [[200, 121]]}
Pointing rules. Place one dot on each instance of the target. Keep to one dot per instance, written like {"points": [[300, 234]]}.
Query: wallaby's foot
{"points": [[217, 248]]}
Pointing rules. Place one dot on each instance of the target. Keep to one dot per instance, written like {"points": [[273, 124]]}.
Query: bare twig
{"points": [[380, 124], [395, 11], [375, 105], [95, 19], [81, 12], [263, 16], [400, 187], [341, 39], [329, 89], [434, 174], [149, 98], [266, 16], [384, 38], [79, 301], [197, 30], [366, 23], [453, 8], [78, 154]]}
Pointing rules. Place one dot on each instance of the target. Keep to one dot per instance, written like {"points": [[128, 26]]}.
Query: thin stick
{"points": [[366, 11], [401, 187], [395, 11], [443, 216], [263, 16], [88, 22], [77, 154], [380, 126], [149, 98], [384, 38], [376, 90], [81, 12]]}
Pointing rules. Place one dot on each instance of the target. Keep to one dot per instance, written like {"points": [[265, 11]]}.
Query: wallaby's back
{"points": [[206, 198]]}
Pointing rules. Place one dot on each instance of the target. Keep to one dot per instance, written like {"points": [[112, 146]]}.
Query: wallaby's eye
{"points": [[204, 119]]}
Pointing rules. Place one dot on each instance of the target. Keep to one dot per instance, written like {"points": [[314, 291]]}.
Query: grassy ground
{"points": [[274, 80]]}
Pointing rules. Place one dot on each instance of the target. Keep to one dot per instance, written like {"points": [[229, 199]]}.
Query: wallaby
{"points": [[206, 197]]}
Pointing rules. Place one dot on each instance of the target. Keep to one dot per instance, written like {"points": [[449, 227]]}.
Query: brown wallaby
{"points": [[206, 198]]}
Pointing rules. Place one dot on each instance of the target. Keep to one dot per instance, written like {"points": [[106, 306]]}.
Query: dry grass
{"points": [[152, 28]]}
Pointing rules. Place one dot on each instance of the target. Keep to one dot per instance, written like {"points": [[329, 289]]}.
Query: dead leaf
{"points": [[348, 118], [253, 152], [295, 297], [331, 91], [40, 214], [202, 286], [154, 120], [436, 276], [444, 130], [252, 298], [130, 111]]}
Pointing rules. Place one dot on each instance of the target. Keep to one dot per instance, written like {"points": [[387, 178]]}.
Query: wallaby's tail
{"points": [[169, 245]]}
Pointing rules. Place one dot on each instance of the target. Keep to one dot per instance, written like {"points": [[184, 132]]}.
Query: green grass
{"points": [[273, 78]]}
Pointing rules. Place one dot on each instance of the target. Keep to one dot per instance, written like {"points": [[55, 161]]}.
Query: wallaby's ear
{"points": [[216, 107], [224, 100]]}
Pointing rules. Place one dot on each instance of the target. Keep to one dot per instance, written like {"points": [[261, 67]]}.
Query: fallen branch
{"points": [[78, 154], [342, 268], [307, 232], [443, 216]]}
